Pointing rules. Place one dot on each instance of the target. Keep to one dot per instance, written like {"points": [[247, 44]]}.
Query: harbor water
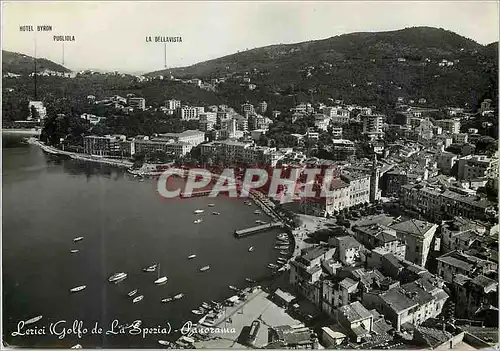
{"points": [[127, 226]]}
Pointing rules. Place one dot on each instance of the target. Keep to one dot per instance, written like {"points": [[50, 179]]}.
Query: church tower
{"points": [[374, 179]]}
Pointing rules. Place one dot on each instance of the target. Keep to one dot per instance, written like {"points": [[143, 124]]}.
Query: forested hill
{"points": [[368, 67], [14, 62]]}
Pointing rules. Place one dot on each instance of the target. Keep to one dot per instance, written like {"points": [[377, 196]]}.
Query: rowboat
{"points": [[198, 312], [138, 298], [132, 293], [151, 268], [199, 211], [74, 251], [78, 288], [250, 249], [205, 268], [168, 299], [78, 239], [178, 296], [191, 256], [250, 280], [233, 288], [77, 346], [117, 277]]}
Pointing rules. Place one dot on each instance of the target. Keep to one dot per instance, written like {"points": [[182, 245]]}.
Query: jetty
{"points": [[257, 229]]}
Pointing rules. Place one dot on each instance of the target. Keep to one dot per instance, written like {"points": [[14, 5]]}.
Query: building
{"points": [[446, 161], [473, 295], [459, 234], [337, 112], [247, 109], [460, 262], [460, 138], [372, 125], [305, 272], [39, 108], [337, 132], [262, 107], [449, 125], [359, 187], [411, 303], [417, 236], [473, 167], [341, 149], [137, 103], [173, 104], [348, 249], [374, 236], [108, 145], [193, 137], [188, 113], [321, 121], [357, 319], [337, 292]]}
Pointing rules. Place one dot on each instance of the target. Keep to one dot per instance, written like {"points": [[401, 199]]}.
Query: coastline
{"points": [[77, 156]]}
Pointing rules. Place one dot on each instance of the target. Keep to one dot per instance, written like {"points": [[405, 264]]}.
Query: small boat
{"points": [[33, 320], [205, 268], [190, 257], [270, 265], [211, 205], [198, 312], [160, 280], [77, 346], [233, 288], [141, 180], [138, 298], [284, 252], [251, 248], [199, 211], [250, 280], [74, 251], [132, 293], [168, 299], [164, 342], [78, 288], [257, 212], [151, 268], [205, 305], [178, 296], [258, 221], [78, 239], [117, 277], [198, 221], [216, 213]]}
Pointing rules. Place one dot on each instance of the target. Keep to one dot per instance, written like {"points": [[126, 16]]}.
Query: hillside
{"points": [[14, 62], [364, 67]]}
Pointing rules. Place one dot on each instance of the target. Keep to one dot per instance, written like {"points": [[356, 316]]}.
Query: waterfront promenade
{"points": [[20, 131]]}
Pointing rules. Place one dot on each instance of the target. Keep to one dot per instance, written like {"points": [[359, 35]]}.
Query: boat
{"points": [[198, 312], [258, 221], [191, 256], [198, 211], [250, 280], [78, 288], [211, 205], [164, 342], [33, 320], [284, 252], [151, 268], [198, 221], [216, 213], [74, 251], [138, 298], [251, 248], [78, 239], [117, 277], [257, 212], [205, 305], [178, 296], [233, 288], [168, 299], [160, 280], [270, 265], [132, 293], [205, 268], [77, 346]]}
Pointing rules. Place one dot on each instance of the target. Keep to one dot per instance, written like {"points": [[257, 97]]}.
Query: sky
{"points": [[112, 35]]}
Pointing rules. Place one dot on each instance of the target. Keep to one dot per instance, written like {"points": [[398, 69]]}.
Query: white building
{"points": [[173, 104], [40, 109], [372, 125], [188, 113]]}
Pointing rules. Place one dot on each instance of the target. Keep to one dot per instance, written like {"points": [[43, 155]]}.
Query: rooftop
{"points": [[355, 312], [455, 262], [413, 227]]}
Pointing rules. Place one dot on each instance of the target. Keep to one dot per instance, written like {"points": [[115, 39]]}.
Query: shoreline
{"points": [[77, 156]]}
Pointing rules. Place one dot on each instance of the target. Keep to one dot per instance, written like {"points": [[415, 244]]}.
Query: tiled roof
{"points": [[413, 226]]}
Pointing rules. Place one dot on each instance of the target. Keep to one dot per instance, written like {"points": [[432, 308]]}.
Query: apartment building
{"points": [[108, 145], [321, 121], [359, 187], [449, 125], [188, 113], [458, 262], [372, 125], [473, 167], [193, 137], [247, 109], [173, 104], [137, 103], [446, 161], [262, 107]]}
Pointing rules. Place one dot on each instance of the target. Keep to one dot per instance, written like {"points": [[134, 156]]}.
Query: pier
{"points": [[196, 193], [257, 229]]}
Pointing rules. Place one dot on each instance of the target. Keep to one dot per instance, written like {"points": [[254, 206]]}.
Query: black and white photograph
{"points": [[250, 175]]}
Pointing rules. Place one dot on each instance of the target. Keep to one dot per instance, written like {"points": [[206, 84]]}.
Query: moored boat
{"points": [[74, 251], [233, 288], [78, 288], [251, 248], [178, 296], [78, 239], [168, 299], [77, 346], [257, 212], [132, 293], [138, 298], [198, 221], [164, 342], [151, 268], [205, 305], [117, 277], [205, 268], [211, 205], [33, 320], [160, 280], [250, 280], [199, 211], [284, 252], [216, 213], [197, 312], [191, 256]]}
